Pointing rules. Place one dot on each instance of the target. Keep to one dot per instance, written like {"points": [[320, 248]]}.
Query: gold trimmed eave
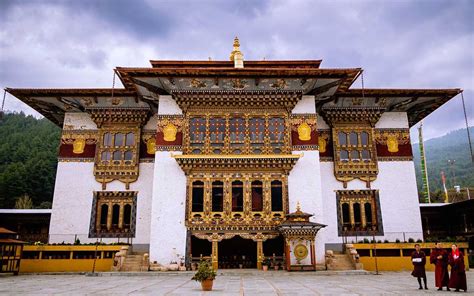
{"points": [[190, 163], [53, 103], [418, 103], [337, 115], [277, 99]]}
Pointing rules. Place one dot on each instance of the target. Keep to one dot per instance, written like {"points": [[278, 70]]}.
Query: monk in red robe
{"points": [[418, 259], [458, 270], [439, 257]]}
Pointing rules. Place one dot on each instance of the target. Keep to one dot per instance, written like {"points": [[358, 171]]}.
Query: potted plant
{"points": [[265, 263], [205, 275]]}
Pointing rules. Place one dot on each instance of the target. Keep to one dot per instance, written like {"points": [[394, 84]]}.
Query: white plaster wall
{"points": [[78, 121], [304, 186], [398, 200], [168, 106], [305, 105], [393, 120], [72, 202], [168, 231]]}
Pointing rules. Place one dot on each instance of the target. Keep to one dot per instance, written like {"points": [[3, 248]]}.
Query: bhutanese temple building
{"points": [[206, 158]]}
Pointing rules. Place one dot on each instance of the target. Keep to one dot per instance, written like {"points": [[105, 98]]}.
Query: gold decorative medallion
{"points": [[78, 146], [304, 132], [169, 132], [392, 143], [322, 144], [301, 252], [151, 146]]}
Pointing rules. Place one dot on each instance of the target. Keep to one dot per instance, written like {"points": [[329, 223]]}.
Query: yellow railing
{"points": [[396, 256], [67, 258]]}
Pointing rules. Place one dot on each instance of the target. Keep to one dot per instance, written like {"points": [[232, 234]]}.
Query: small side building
{"points": [[31, 225]]}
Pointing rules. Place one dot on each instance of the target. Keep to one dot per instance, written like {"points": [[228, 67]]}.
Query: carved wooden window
{"points": [[354, 146], [198, 196], [237, 196], [359, 212], [113, 214], [118, 149], [217, 196], [277, 196], [237, 134], [241, 198]]}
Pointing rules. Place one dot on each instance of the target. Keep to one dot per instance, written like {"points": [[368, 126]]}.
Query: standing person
{"points": [[439, 257], [418, 258], [458, 270]]}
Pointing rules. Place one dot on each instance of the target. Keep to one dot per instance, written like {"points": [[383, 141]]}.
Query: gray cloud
{"points": [[412, 44]]}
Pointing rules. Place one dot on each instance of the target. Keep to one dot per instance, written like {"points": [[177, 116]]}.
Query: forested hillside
{"points": [[29, 146], [452, 146], [28, 159]]}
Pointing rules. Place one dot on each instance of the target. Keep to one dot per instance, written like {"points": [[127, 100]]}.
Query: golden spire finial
{"points": [[298, 207], [236, 55]]}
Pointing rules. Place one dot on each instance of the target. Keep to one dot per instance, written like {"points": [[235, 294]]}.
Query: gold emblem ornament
{"points": [[322, 144], [304, 132], [392, 143], [301, 252], [151, 146], [78, 146], [169, 132]]}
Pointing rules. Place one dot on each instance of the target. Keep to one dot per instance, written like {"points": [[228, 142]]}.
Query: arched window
{"points": [[346, 214], [365, 155], [353, 138], [355, 155], [107, 139], [128, 155], [119, 137], [198, 196], [104, 210], [368, 213], [237, 196], [130, 139], [342, 138], [364, 138], [344, 155], [217, 196], [115, 214], [357, 217], [117, 155], [277, 196], [105, 156], [257, 196], [127, 215]]}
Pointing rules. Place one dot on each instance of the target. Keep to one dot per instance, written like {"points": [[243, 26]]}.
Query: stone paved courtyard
{"points": [[233, 283]]}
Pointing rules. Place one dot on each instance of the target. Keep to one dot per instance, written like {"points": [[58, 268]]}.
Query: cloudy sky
{"points": [[399, 44]]}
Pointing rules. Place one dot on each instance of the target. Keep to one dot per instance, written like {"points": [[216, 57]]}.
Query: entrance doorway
{"points": [[200, 248], [237, 252]]}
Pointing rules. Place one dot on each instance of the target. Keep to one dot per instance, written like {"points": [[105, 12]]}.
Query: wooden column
{"points": [[215, 255], [351, 213], [259, 253], [109, 217], [313, 254], [98, 217], [287, 254], [120, 225], [362, 214]]}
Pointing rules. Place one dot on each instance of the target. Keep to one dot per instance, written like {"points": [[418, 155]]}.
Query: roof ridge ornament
{"points": [[236, 55]]}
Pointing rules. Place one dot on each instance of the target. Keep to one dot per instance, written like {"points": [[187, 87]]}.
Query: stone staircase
{"points": [[339, 261], [133, 262]]}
